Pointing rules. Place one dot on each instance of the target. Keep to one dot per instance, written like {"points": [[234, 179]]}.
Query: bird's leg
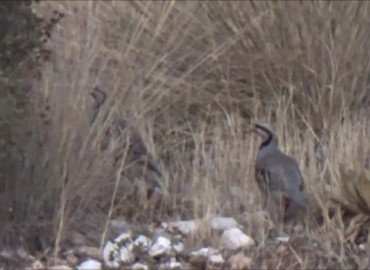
{"points": [[290, 210], [295, 214], [275, 207]]}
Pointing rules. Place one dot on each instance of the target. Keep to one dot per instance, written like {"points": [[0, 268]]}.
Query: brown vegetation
{"points": [[189, 76]]}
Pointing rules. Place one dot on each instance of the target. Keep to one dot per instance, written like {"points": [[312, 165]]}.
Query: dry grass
{"points": [[190, 76]]}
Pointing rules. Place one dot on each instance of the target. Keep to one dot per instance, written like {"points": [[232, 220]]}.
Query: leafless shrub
{"points": [[189, 76]]}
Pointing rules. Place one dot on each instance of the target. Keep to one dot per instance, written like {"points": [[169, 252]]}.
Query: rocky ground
{"points": [[176, 245], [166, 245], [302, 65]]}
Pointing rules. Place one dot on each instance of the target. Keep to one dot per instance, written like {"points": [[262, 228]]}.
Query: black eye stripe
{"points": [[266, 143], [268, 132], [263, 128]]}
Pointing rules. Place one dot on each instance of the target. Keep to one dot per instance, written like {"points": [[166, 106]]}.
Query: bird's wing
{"points": [[284, 175], [271, 166], [140, 153]]}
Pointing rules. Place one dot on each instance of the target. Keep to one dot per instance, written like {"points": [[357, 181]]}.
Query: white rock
{"points": [[234, 238], [37, 265], [111, 254], [173, 264], [362, 247], [282, 239], [223, 223], [178, 247], [130, 246], [164, 225], [140, 266], [216, 259], [210, 255], [161, 246], [204, 252], [143, 242], [115, 253], [123, 238], [126, 255], [184, 227], [89, 264], [60, 267]]}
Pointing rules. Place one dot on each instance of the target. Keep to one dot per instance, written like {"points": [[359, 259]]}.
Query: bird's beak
{"points": [[252, 129]]}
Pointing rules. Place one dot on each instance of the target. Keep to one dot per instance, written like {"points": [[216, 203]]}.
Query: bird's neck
{"points": [[266, 142]]}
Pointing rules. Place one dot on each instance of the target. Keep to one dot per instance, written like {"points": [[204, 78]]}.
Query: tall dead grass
{"points": [[190, 76]]}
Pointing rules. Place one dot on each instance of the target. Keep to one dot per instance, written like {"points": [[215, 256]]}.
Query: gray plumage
{"points": [[278, 176], [137, 149]]}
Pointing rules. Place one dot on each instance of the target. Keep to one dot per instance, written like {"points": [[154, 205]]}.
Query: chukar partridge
{"points": [[278, 177], [137, 149]]}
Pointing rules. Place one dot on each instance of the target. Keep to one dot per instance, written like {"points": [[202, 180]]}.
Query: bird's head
{"points": [[267, 134]]}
